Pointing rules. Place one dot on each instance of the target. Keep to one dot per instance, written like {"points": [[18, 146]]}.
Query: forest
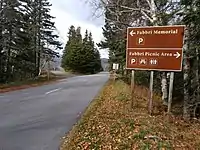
{"points": [[120, 14], [28, 39]]}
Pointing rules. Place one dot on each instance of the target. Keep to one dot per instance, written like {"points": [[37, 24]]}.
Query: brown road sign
{"points": [[154, 59], [155, 48]]}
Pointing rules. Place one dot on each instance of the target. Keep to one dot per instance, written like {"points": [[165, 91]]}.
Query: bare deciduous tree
{"points": [[139, 12]]}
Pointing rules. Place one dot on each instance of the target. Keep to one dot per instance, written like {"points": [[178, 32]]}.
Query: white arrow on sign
{"points": [[132, 33], [177, 55]]}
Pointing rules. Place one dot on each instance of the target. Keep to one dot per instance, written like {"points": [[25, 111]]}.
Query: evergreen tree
{"points": [[80, 55], [2, 50], [191, 19], [90, 54], [114, 41], [43, 28], [10, 24], [67, 51], [24, 59], [97, 65], [95, 62], [73, 46], [26, 32], [76, 49], [85, 54]]}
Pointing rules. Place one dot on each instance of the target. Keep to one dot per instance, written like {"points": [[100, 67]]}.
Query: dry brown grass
{"points": [[111, 124], [24, 85], [42, 80]]}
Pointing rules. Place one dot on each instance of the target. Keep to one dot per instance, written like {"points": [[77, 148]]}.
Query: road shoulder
{"points": [[31, 83], [110, 123]]}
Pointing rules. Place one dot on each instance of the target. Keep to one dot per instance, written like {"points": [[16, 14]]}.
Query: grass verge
{"points": [[18, 85], [109, 123]]}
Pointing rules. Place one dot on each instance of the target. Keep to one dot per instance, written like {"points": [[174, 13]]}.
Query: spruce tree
{"points": [[24, 58], [80, 55], [114, 41], [95, 62], [26, 28], [2, 52], [76, 50], [43, 28], [97, 65], [191, 66], [10, 20], [89, 52], [67, 51], [72, 50]]}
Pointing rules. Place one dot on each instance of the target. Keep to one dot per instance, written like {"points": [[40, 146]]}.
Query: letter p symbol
{"points": [[133, 61], [140, 41]]}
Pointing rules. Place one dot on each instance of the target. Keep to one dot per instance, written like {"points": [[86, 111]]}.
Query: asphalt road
{"points": [[36, 118]]}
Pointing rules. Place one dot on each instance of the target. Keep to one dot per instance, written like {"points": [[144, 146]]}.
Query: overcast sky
{"points": [[77, 13]]}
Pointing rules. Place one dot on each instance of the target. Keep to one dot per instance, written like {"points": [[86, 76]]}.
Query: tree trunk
{"points": [[164, 85], [35, 45], [186, 110], [8, 65], [197, 76], [39, 36], [164, 88], [1, 47], [186, 70], [48, 69]]}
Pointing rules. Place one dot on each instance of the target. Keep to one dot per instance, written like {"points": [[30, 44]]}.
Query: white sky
{"points": [[77, 13]]}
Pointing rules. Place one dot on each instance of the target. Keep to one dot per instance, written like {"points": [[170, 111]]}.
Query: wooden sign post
{"points": [[156, 48], [132, 87], [115, 68]]}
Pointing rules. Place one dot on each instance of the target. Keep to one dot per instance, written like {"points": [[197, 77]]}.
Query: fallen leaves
{"points": [[110, 124]]}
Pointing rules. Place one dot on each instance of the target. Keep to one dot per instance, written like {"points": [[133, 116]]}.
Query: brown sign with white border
{"points": [[155, 48]]}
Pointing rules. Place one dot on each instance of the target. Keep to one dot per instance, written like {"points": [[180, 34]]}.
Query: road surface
{"points": [[36, 118]]}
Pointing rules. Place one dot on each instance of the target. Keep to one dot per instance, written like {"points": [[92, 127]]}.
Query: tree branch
{"points": [[148, 17], [148, 2], [135, 9], [118, 22]]}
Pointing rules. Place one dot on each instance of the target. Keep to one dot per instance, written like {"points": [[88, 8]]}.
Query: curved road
{"points": [[36, 118]]}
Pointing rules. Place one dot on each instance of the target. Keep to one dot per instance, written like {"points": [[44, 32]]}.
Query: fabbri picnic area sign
{"points": [[155, 48]]}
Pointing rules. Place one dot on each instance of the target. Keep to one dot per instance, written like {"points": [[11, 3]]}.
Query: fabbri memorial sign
{"points": [[155, 48]]}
